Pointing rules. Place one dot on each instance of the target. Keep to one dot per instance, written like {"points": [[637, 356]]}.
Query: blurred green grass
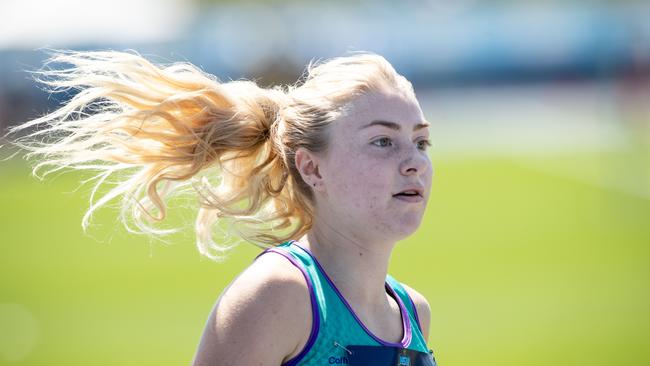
{"points": [[522, 263]]}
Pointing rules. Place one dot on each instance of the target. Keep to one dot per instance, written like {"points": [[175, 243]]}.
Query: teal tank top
{"points": [[335, 324]]}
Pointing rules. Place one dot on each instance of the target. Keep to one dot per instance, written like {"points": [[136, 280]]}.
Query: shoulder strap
{"points": [[403, 294], [419, 342]]}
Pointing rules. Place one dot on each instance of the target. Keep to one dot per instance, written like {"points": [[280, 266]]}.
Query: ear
{"points": [[307, 164]]}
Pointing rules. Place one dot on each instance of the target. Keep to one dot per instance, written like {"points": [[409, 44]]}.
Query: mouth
{"points": [[413, 190], [411, 195]]}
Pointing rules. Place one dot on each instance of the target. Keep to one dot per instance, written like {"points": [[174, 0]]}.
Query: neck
{"points": [[357, 267]]}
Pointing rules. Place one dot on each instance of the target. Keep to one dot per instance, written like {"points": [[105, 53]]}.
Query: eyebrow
{"points": [[394, 126]]}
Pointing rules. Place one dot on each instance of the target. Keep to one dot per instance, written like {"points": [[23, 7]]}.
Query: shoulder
{"points": [[263, 317], [269, 276], [422, 307]]}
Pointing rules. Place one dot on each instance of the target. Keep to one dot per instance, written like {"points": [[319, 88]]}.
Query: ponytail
{"points": [[161, 127]]}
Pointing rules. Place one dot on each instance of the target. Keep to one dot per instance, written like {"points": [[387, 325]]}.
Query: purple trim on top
{"points": [[264, 251], [415, 310], [314, 308], [406, 323]]}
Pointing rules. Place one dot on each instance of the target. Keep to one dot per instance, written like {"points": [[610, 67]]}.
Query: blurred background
{"points": [[535, 245]]}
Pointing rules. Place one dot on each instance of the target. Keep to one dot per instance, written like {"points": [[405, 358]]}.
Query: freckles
{"points": [[377, 214], [372, 209]]}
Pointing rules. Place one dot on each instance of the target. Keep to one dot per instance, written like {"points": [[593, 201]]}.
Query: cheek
{"points": [[364, 202], [359, 185]]}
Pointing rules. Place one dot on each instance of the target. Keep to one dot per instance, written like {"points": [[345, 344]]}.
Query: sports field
{"points": [[525, 261]]}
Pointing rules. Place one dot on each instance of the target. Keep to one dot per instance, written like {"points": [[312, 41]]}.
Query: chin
{"points": [[404, 228]]}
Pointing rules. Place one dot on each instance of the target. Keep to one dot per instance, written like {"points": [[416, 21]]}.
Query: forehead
{"points": [[399, 107]]}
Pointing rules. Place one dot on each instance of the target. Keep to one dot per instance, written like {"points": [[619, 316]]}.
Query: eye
{"points": [[382, 139], [425, 144]]}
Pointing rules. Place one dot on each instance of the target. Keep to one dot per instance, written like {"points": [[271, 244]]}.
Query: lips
{"points": [[406, 198], [410, 194], [410, 191]]}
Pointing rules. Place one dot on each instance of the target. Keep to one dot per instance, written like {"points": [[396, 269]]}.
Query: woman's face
{"points": [[368, 162]]}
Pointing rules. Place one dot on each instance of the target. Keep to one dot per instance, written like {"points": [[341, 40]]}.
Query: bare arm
{"points": [[262, 318]]}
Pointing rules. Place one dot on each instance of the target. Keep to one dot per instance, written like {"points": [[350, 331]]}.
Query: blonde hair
{"points": [[163, 125]]}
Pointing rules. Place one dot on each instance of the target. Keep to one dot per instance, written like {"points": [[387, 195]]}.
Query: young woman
{"points": [[334, 168]]}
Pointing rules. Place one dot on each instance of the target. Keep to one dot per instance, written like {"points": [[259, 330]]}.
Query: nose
{"points": [[415, 163]]}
